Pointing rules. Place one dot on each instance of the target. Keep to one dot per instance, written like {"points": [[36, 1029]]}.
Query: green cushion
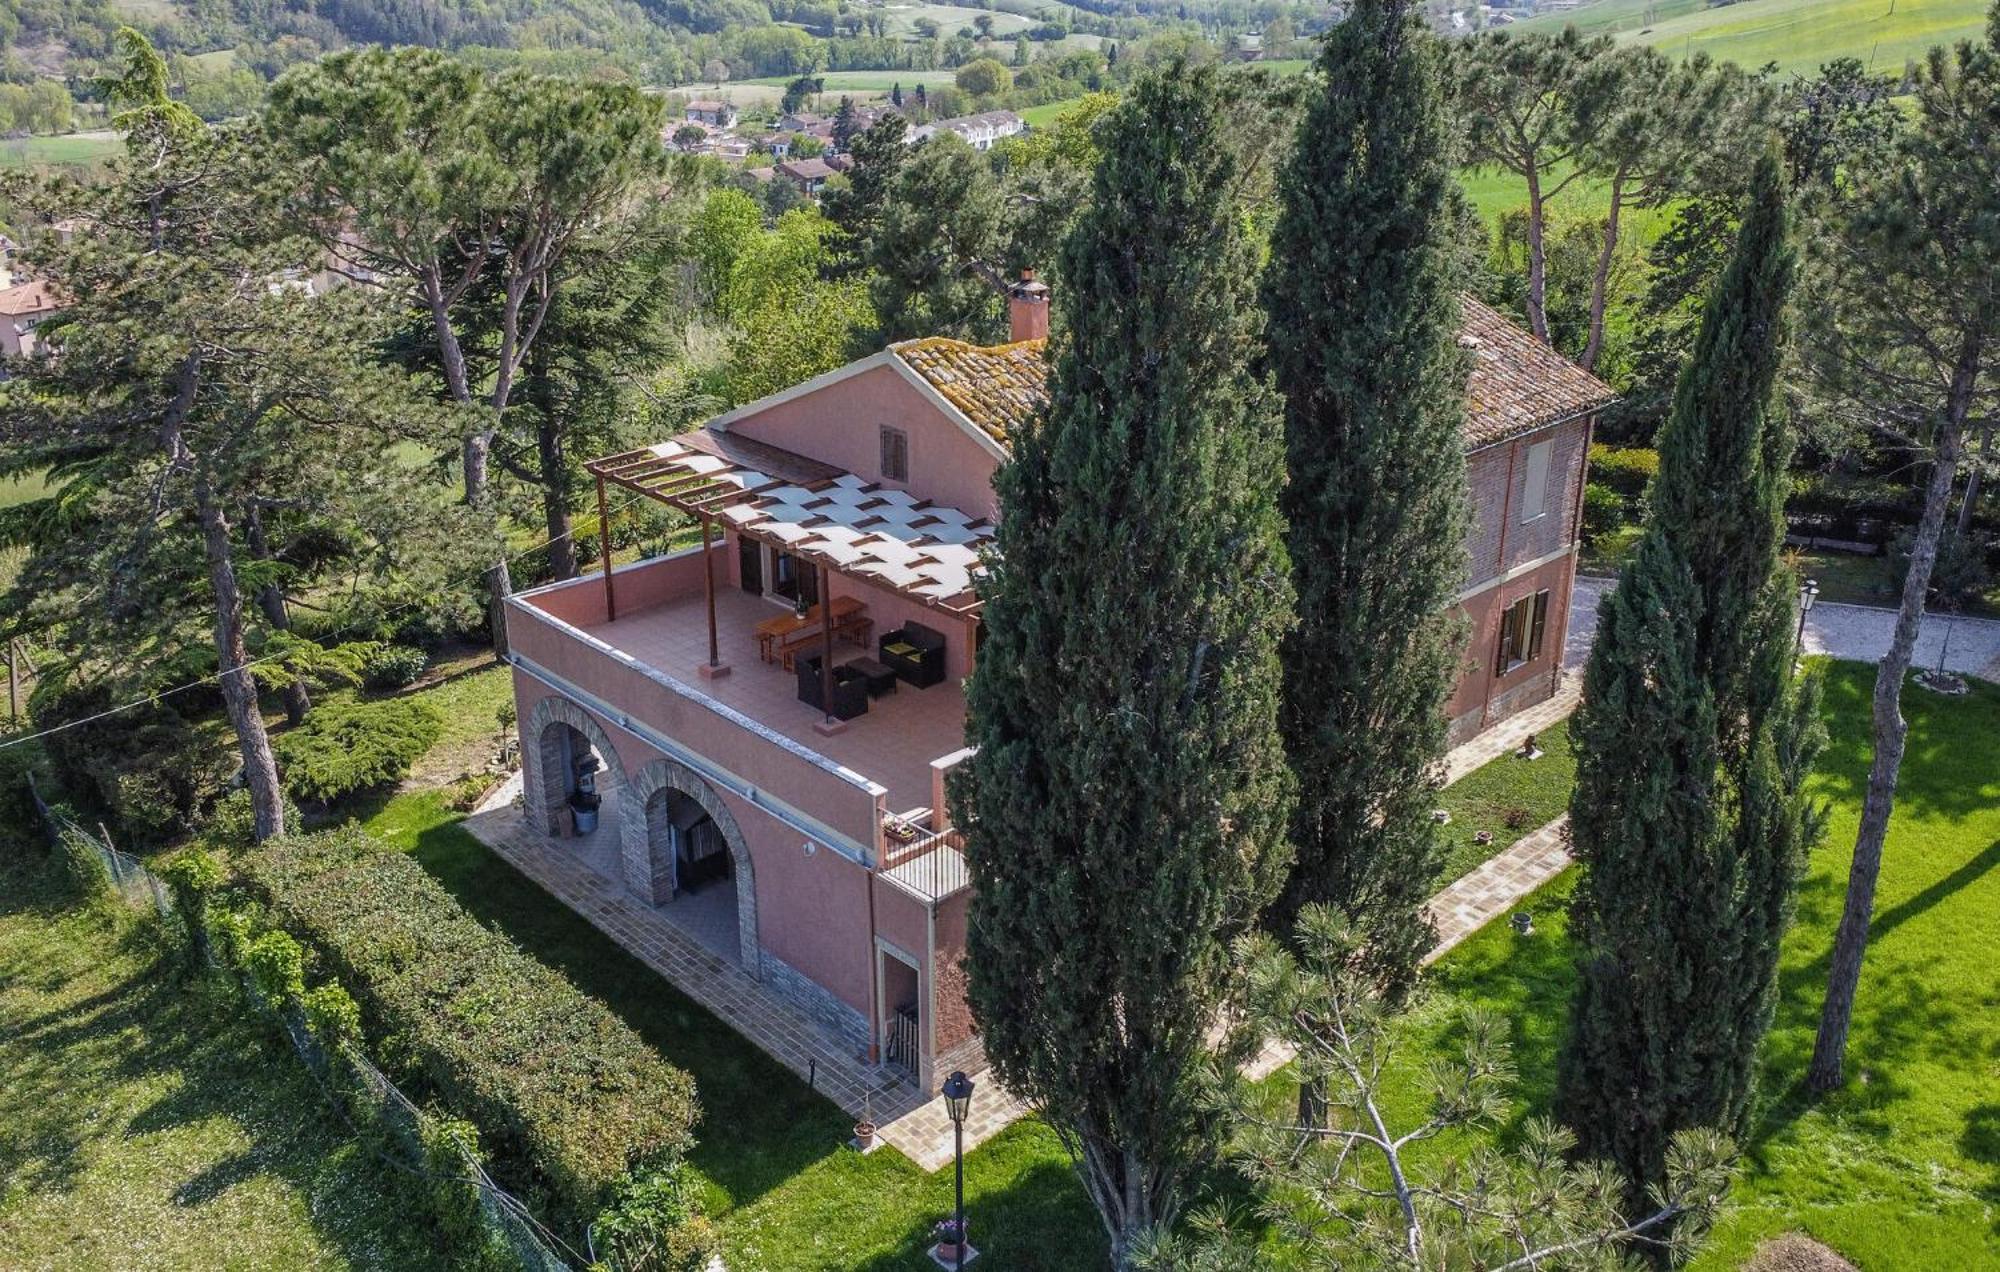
{"points": [[900, 649]]}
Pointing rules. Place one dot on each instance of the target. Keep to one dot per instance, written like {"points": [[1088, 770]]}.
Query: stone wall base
{"points": [[817, 1001], [1513, 701]]}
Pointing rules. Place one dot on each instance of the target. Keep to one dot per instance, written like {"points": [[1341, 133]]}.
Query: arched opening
{"points": [[686, 855], [573, 772]]}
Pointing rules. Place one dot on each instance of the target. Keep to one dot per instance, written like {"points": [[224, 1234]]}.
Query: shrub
{"points": [[1959, 577], [394, 667], [89, 876], [566, 1094], [454, 1198], [232, 823], [1603, 511], [332, 1015], [193, 876], [1626, 470], [17, 807], [655, 1224], [353, 746], [149, 769], [277, 967]]}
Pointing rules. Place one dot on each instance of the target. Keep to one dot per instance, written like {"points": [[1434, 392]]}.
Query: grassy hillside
{"points": [[950, 17], [146, 1120], [72, 149], [1798, 35]]}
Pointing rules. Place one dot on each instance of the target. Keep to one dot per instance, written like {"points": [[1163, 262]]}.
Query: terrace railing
{"points": [[931, 868]]}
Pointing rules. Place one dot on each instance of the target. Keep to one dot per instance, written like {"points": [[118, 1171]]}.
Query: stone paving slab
{"points": [[918, 1127], [1493, 887]]}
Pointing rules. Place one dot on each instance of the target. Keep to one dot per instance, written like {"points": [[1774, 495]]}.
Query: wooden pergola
{"points": [[809, 510]]}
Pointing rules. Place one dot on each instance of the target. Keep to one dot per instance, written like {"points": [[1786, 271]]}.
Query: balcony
{"points": [[662, 626]]}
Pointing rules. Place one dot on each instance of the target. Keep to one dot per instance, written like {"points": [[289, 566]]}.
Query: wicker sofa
{"points": [[914, 652]]}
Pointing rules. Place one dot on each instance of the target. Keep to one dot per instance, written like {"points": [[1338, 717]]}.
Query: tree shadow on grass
{"points": [[1947, 771], [155, 1053], [1039, 1220], [761, 1124]]}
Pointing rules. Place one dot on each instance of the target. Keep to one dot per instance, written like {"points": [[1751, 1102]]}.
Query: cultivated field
{"points": [[69, 149]]}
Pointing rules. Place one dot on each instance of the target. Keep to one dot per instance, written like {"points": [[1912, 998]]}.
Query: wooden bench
{"points": [[772, 632]]}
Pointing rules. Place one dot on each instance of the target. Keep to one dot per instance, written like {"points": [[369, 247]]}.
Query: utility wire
{"points": [[218, 677]]}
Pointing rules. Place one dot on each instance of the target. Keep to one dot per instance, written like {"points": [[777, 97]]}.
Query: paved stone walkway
{"points": [[1496, 885], [918, 1127]]}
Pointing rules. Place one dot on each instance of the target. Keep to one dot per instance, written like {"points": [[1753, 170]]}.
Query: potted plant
{"points": [[1484, 838], [945, 1233], [864, 1130]]}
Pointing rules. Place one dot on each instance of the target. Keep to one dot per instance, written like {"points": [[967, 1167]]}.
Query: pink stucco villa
{"points": [[767, 721]]}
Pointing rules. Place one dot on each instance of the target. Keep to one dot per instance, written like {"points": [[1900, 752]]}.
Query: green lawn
{"points": [[1895, 1174], [148, 1122], [1509, 796], [1902, 1170], [950, 19], [1798, 35], [1046, 114]]}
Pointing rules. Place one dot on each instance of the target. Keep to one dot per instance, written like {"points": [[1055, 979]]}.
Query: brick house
{"points": [[786, 807]]}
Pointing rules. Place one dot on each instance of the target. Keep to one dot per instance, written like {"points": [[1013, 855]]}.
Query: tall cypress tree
{"points": [[1362, 294], [1694, 741], [1125, 813]]}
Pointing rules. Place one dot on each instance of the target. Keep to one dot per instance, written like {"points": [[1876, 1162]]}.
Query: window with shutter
{"points": [[895, 454], [1522, 625]]}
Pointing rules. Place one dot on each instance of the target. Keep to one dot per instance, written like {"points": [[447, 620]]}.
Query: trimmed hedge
{"points": [[348, 747], [567, 1095], [1626, 470]]}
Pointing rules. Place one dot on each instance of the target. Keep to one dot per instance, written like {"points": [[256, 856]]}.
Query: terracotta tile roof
{"points": [[1517, 385], [997, 387], [28, 299], [813, 169]]}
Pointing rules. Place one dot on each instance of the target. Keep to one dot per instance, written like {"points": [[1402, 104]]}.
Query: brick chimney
{"points": [[1028, 308]]}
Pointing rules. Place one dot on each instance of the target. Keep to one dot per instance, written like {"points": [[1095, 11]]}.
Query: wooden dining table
{"points": [[777, 637]]}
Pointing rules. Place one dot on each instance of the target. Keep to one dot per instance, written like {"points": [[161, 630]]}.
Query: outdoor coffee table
{"points": [[881, 679]]}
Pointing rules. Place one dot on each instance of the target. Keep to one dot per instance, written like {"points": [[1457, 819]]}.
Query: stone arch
{"points": [[544, 781], [636, 843]]}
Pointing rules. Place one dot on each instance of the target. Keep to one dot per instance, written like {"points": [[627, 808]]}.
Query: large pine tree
{"points": [[1125, 813], [1694, 740], [1362, 293]]}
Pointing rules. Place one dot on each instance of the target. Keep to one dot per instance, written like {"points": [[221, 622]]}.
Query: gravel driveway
{"points": [[1857, 632]]}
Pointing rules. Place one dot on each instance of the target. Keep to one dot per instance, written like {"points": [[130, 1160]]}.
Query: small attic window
{"points": [[895, 454]]}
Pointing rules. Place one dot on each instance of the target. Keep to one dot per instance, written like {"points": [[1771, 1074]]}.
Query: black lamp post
{"points": [[1808, 594], [958, 1102]]}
